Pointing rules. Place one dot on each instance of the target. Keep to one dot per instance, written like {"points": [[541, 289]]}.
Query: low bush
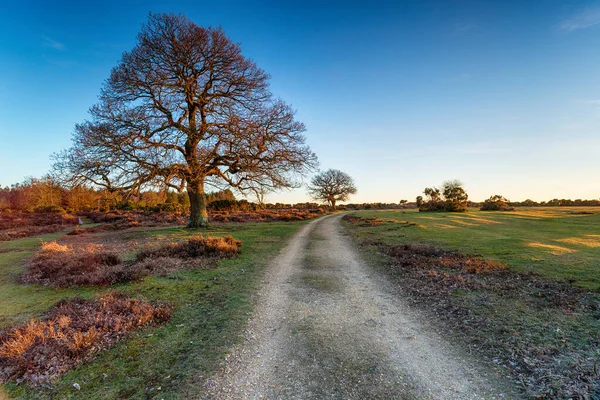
{"points": [[429, 258], [197, 246], [11, 220], [28, 231], [360, 221], [496, 203], [16, 225], [63, 266], [124, 219], [73, 331]]}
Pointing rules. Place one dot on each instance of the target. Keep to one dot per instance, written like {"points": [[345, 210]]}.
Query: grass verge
{"points": [[211, 307], [542, 329]]}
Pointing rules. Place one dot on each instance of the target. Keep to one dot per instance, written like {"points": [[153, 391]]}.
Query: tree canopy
{"points": [[182, 109], [331, 186], [451, 197]]}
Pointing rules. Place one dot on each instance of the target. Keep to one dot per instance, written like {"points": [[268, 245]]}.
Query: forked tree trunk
{"points": [[198, 212], [332, 204]]}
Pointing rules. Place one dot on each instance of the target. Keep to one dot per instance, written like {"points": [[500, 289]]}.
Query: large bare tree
{"points": [[184, 108], [331, 186]]}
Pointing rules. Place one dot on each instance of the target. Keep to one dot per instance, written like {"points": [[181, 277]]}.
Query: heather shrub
{"points": [[20, 225], [197, 246], [73, 331], [63, 266]]}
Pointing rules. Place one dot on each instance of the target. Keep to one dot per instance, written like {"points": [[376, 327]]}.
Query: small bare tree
{"points": [[331, 186], [183, 109]]}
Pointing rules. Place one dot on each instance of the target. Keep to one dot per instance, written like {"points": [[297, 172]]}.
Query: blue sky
{"points": [[503, 95]]}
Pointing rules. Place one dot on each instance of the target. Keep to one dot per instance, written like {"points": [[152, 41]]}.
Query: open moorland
{"points": [[519, 288], [129, 306]]}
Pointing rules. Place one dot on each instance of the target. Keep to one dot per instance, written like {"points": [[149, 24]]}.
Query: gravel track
{"points": [[327, 326]]}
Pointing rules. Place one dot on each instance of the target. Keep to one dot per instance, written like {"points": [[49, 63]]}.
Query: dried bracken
{"points": [[373, 221], [72, 333], [197, 246], [63, 265], [119, 220], [17, 225], [508, 316]]}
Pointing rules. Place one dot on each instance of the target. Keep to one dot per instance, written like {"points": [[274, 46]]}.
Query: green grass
{"points": [[211, 309], [550, 241], [511, 321]]}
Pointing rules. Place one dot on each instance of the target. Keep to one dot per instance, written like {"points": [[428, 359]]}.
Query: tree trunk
{"points": [[198, 212], [332, 203]]}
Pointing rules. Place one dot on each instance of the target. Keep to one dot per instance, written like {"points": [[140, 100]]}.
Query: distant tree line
{"points": [[453, 197], [45, 195]]}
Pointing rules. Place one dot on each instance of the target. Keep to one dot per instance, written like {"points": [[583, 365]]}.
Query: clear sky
{"points": [[503, 95]]}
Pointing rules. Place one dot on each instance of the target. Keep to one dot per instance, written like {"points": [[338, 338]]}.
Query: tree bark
{"points": [[198, 212]]}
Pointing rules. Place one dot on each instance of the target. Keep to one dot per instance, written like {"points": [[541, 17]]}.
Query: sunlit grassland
{"points": [[211, 308], [545, 333], [560, 243]]}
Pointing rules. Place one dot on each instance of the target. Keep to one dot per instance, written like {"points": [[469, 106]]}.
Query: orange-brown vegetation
{"points": [[374, 221], [65, 265], [16, 225], [71, 333], [77, 264], [117, 220], [267, 215], [360, 221], [457, 289], [434, 262], [197, 246]]}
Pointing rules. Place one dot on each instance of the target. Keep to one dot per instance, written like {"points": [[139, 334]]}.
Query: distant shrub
{"points": [[361, 221], [28, 231], [223, 205], [49, 209], [11, 220], [452, 197], [496, 203], [73, 331]]}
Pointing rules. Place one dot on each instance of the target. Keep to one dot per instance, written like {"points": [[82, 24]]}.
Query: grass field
{"points": [[557, 242], [211, 308], [538, 319]]}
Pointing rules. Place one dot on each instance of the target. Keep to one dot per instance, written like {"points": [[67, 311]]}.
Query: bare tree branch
{"points": [[184, 107]]}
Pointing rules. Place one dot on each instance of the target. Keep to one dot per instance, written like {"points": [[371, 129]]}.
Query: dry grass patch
{"points": [[464, 223], [73, 331], [20, 225], [373, 221], [444, 226], [513, 318], [197, 246], [64, 266], [587, 240], [429, 258], [482, 220], [553, 249]]}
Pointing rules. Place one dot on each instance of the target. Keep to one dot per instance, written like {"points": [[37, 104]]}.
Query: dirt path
{"points": [[327, 326]]}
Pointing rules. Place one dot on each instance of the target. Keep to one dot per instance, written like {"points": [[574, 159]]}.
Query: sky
{"points": [[401, 95]]}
